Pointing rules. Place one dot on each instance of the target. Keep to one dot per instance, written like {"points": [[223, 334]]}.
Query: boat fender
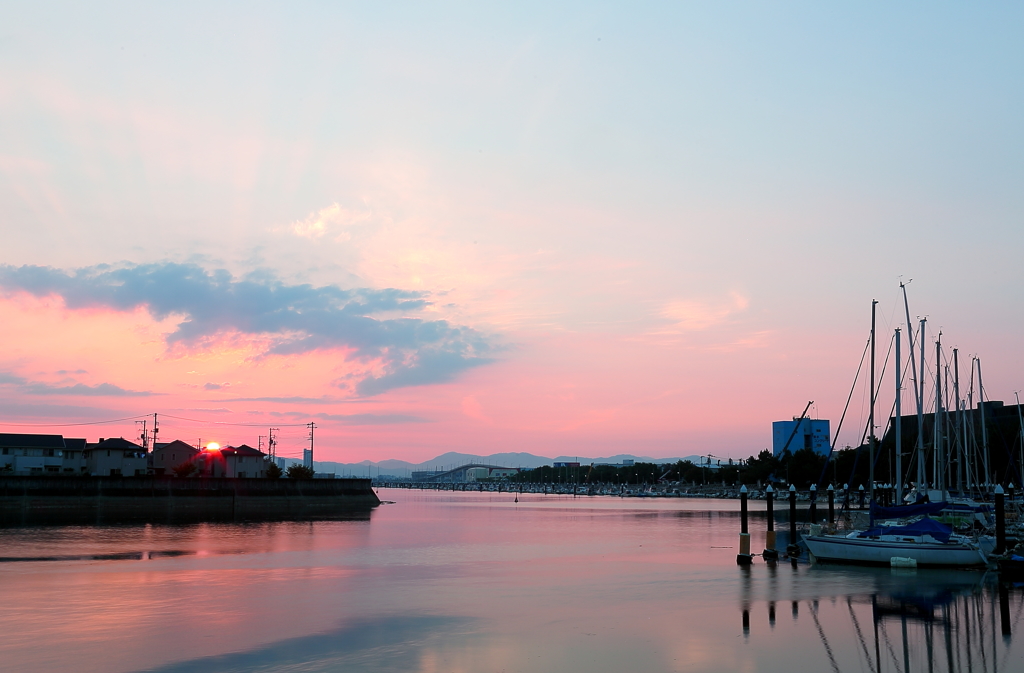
{"points": [[902, 562]]}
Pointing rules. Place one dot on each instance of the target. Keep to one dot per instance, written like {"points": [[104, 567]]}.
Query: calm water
{"points": [[476, 582]]}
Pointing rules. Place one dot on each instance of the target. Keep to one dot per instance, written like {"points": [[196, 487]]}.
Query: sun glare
{"points": [[212, 446]]}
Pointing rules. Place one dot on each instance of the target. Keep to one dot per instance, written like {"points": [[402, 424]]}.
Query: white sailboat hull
{"points": [[865, 551]]}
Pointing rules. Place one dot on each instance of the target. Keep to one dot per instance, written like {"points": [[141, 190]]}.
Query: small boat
{"points": [[926, 541]]}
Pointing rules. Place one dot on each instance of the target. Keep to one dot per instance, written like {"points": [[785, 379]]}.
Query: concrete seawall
{"points": [[113, 500]]}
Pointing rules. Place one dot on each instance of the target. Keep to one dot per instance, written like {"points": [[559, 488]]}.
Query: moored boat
{"points": [[926, 541]]}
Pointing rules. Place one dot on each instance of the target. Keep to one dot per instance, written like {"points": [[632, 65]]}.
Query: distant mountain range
{"points": [[450, 460]]}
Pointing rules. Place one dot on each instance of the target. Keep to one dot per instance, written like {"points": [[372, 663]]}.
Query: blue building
{"points": [[810, 434]]}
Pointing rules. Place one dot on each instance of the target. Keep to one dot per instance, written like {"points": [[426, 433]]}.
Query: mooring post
{"points": [[744, 558], [831, 505], [1000, 522], [1010, 493], [814, 504], [861, 489], [769, 553], [846, 496], [792, 549]]}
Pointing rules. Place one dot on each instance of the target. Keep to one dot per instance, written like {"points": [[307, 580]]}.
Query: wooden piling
{"points": [[744, 558], [831, 505], [769, 553], [792, 548], [813, 516]]}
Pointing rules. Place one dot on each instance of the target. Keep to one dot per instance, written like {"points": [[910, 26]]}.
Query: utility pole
{"points": [[144, 436], [156, 429], [272, 444], [307, 459]]}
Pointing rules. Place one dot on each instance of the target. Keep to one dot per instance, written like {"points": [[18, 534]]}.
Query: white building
{"points": [[168, 455], [31, 454], [115, 457], [240, 462]]}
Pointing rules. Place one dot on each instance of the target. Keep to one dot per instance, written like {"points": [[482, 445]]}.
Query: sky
{"points": [[561, 228]]}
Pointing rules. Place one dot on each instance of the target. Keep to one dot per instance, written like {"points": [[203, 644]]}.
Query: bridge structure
{"points": [[465, 473]]}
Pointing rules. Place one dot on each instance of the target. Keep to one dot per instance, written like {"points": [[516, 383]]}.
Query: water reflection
{"points": [[901, 620], [478, 582], [399, 643]]}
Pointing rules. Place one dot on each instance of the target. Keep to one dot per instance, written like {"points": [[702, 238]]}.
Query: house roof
{"points": [[19, 441], [177, 445], [119, 443], [75, 444], [242, 450]]}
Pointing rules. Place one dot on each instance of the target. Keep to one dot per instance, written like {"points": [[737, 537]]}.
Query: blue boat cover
{"points": [[907, 511], [925, 526]]}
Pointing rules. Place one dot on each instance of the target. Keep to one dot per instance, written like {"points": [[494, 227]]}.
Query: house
{"points": [[73, 460], [25, 454], [241, 462], [115, 457], [168, 455]]}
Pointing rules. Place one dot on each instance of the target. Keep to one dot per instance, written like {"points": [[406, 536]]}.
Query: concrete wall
{"points": [[41, 500]]}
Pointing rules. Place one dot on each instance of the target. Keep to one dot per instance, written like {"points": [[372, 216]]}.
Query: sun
{"points": [[212, 446]]}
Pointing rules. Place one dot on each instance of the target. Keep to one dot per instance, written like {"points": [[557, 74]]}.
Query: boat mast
{"points": [[984, 433], [921, 476], [899, 424], [940, 463], [959, 420], [917, 394], [871, 417]]}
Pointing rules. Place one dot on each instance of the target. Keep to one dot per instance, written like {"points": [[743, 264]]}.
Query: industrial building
{"points": [[801, 433]]}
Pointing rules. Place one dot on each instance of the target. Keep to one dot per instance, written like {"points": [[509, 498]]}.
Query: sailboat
{"points": [[908, 536], [922, 543]]}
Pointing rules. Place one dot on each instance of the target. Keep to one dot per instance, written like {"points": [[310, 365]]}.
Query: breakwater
{"points": [[113, 500]]}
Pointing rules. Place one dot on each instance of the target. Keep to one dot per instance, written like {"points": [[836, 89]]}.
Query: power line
{"points": [[65, 425], [251, 425]]}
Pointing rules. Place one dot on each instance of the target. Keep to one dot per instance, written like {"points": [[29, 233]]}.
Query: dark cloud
{"points": [[100, 389], [372, 324], [26, 387], [295, 400], [355, 419], [20, 409]]}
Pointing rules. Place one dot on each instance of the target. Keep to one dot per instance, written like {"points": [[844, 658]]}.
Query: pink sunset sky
{"points": [[560, 228]]}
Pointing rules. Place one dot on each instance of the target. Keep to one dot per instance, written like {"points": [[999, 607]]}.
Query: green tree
{"points": [[760, 468], [273, 471], [297, 471]]}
